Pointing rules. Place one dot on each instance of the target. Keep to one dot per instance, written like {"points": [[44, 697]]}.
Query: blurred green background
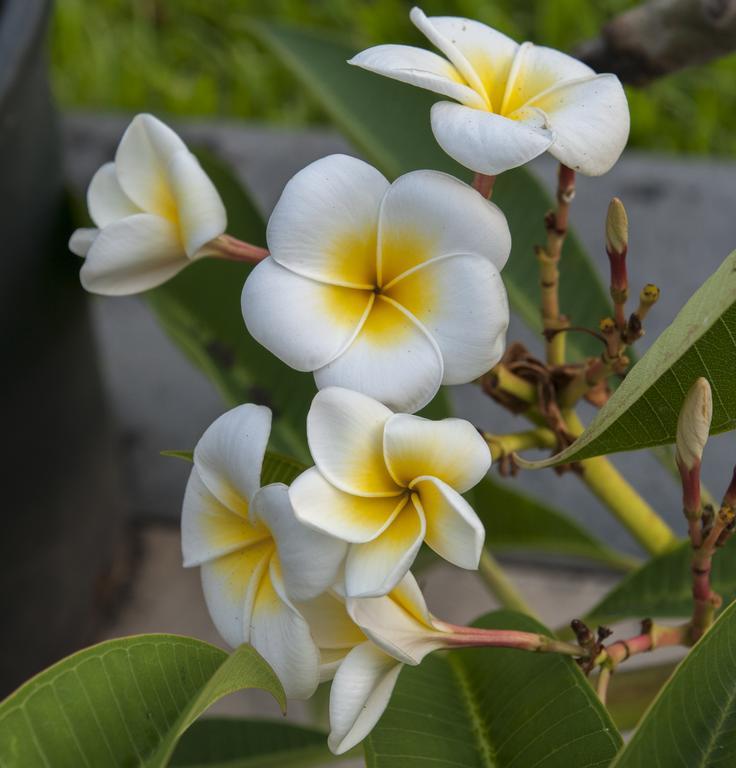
{"points": [[194, 57]]}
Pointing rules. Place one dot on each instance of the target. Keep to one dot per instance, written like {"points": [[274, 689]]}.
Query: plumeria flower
{"points": [[155, 211], [385, 483], [511, 102], [387, 289], [398, 629], [257, 561]]}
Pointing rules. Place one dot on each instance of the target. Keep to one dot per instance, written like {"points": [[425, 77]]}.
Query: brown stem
{"points": [[556, 224], [661, 36]]}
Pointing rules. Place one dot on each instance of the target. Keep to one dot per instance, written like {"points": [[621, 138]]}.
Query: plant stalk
{"points": [[500, 586], [629, 508], [230, 248], [504, 445], [476, 637]]}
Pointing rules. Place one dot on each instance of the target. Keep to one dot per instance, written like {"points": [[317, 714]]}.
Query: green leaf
{"points": [[492, 708], [280, 469], [691, 722], [632, 690], [643, 411], [388, 122], [231, 743], [123, 702], [276, 468], [663, 587], [200, 311], [183, 455], [515, 521]]}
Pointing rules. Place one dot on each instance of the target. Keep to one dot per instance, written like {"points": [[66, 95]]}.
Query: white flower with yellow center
{"points": [[386, 289], [256, 559], [155, 211], [400, 630], [515, 101], [385, 483]]}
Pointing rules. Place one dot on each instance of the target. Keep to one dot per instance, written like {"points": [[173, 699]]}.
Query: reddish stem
{"points": [[484, 184], [232, 249], [475, 637]]}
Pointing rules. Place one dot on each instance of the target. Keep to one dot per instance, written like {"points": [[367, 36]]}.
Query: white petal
{"points": [[331, 626], [453, 529], [209, 529], [281, 635], [142, 162], [359, 695], [590, 120], [534, 70], [395, 630], [330, 660], [81, 240], [133, 255], [427, 27], [489, 52], [106, 200], [427, 214], [376, 567], [310, 561], [230, 585], [201, 212], [392, 359], [421, 68], [486, 142], [461, 300], [303, 322], [345, 435], [450, 449], [229, 455], [318, 504], [324, 224]]}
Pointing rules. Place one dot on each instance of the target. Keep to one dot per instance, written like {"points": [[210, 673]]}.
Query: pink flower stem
{"points": [[484, 184], [230, 248], [474, 637]]}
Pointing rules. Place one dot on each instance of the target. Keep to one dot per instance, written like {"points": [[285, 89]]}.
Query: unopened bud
{"points": [[693, 425], [649, 294], [617, 228], [607, 325]]}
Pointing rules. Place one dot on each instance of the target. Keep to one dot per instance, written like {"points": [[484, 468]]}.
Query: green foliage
{"points": [[232, 743], [691, 723], [193, 57], [644, 409], [515, 521], [632, 691], [123, 702], [663, 587], [491, 708], [389, 123]]}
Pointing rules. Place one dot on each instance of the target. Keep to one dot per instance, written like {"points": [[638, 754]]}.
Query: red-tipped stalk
{"points": [[617, 246]]}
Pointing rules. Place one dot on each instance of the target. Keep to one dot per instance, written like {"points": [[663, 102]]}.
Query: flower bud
{"points": [[693, 425], [617, 228]]}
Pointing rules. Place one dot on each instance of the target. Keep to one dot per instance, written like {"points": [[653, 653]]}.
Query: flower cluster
{"points": [[340, 604], [384, 291]]}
